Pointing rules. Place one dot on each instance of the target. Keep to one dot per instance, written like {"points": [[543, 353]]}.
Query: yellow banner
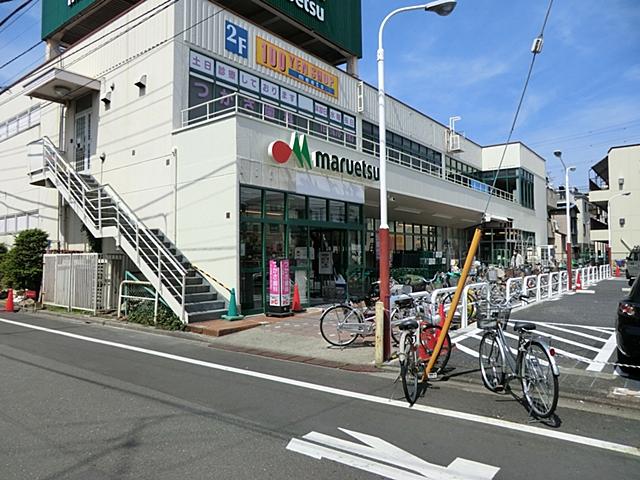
{"points": [[279, 60]]}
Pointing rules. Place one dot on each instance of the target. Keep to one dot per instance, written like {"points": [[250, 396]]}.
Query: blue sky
{"points": [[584, 95]]}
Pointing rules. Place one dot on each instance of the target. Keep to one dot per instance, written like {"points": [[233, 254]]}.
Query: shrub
{"points": [[142, 313], [21, 267]]}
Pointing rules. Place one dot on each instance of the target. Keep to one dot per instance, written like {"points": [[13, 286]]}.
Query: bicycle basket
{"points": [[490, 316]]}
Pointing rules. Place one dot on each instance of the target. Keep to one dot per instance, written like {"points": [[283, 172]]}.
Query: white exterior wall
{"points": [[624, 162], [207, 190]]}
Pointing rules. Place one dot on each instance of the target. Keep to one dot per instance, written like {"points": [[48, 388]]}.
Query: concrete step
{"points": [[204, 306], [204, 316], [201, 297]]}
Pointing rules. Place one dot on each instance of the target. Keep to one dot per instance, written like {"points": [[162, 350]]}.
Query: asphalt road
{"points": [[77, 408]]}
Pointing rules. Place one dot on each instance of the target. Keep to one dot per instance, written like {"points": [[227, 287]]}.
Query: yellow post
{"points": [[454, 303], [379, 348]]}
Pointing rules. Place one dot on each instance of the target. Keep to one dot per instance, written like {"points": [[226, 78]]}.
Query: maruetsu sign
{"points": [[298, 147], [313, 8]]}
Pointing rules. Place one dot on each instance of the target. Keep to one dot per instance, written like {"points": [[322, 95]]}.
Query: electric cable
{"points": [[535, 53], [17, 18], [16, 10]]}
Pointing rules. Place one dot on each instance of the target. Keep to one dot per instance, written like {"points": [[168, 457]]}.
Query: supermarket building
{"points": [[221, 134]]}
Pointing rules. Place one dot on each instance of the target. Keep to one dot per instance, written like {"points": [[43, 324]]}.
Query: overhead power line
{"points": [[8, 17], [535, 50], [17, 18]]}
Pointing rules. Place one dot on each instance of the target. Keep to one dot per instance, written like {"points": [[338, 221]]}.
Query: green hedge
{"points": [[142, 312]]}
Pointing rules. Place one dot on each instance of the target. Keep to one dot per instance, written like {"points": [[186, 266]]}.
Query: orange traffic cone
{"points": [[296, 307], [578, 282], [617, 270], [9, 305]]}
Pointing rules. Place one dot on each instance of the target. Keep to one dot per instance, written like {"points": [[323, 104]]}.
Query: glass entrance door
{"points": [[82, 140], [329, 264]]}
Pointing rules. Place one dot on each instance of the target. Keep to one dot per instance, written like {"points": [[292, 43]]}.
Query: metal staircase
{"points": [[189, 295]]}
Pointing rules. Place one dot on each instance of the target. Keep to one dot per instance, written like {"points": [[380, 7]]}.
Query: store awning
{"points": [[61, 86]]}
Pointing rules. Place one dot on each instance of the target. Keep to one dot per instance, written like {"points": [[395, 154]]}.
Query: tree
{"points": [[21, 267]]}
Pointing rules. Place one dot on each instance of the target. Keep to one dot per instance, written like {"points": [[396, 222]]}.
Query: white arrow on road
{"points": [[368, 457]]}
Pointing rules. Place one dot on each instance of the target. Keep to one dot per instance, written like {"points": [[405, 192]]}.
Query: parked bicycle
{"points": [[417, 344], [533, 364], [342, 324]]}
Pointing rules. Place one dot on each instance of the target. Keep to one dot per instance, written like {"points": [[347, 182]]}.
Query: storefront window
{"points": [[250, 202], [297, 207], [274, 205], [318, 209], [336, 211], [353, 213], [250, 245]]}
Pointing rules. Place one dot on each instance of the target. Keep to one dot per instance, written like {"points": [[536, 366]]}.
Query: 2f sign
{"points": [[236, 39]]}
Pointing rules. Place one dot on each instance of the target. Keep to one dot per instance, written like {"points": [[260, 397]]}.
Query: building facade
{"points": [[221, 135], [610, 179]]}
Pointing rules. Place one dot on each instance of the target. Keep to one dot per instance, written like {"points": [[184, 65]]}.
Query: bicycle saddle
{"points": [[409, 324], [521, 326]]}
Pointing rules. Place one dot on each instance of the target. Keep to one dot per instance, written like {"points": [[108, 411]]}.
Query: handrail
{"points": [[211, 277], [166, 268], [232, 105]]}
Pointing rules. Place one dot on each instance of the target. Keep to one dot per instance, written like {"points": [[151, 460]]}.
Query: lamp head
{"points": [[626, 194], [571, 169], [558, 153], [441, 7]]}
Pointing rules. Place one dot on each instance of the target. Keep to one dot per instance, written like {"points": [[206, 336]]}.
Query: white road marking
{"points": [[351, 454], [625, 392], [470, 333], [468, 350], [587, 327], [554, 326], [603, 355], [585, 291], [470, 417]]}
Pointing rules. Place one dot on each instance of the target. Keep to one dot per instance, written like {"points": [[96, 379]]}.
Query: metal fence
{"points": [[82, 281]]}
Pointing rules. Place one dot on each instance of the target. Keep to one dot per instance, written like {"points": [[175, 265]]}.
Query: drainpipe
{"points": [[174, 153]]}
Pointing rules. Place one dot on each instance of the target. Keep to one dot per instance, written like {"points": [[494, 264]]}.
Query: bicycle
{"points": [[415, 351], [533, 364], [342, 324]]}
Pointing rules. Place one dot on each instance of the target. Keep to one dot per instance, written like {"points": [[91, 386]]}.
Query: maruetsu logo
{"points": [[312, 7], [298, 146]]}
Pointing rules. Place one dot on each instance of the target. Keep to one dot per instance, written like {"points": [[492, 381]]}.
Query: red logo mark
{"points": [[280, 151]]}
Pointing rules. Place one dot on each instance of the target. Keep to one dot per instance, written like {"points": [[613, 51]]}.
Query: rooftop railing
{"points": [[237, 103]]}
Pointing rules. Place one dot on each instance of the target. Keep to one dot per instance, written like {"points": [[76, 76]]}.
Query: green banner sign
{"points": [[55, 13], [339, 21]]}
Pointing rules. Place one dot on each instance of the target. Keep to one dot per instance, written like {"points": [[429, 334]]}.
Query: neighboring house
{"points": [[616, 174]]}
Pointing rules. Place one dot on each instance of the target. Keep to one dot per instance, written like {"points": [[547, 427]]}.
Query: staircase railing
{"points": [[102, 208]]}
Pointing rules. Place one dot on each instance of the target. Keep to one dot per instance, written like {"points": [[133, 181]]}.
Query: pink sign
{"points": [[285, 289]]}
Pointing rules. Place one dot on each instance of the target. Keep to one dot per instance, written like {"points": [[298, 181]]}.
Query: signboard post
{"points": [[279, 288]]}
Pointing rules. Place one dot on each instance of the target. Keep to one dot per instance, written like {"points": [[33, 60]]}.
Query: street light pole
{"points": [[609, 217], [558, 154], [441, 7]]}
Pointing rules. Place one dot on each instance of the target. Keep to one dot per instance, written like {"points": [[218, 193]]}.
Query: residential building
{"points": [[617, 173], [221, 135]]}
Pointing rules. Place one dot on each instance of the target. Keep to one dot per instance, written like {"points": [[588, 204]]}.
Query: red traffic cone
{"points": [[296, 307], [9, 305], [578, 282], [617, 270]]}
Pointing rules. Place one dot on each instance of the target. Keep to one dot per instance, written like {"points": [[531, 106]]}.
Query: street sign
{"points": [[382, 458]]}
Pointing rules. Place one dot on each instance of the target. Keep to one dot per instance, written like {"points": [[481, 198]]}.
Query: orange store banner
{"points": [[286, 63]]}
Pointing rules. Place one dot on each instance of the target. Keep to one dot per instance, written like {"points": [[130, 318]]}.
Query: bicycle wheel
{"points": [[428, 338], [492, 362], [396, 317], [539, 384], [333, 325], [409, 369]]}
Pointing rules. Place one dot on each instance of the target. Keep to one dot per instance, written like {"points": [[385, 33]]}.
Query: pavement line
{"points": [[603, 356], [587, 327], [467, 350], [470, 333], [470, 417], [554, 326], [585, 291], [562, 340]]}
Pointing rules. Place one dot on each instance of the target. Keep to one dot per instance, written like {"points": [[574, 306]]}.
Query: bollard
{"points": [[379, 353]]}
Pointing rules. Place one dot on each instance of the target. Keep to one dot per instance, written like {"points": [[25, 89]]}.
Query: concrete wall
{"points": [[208, 198]]}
